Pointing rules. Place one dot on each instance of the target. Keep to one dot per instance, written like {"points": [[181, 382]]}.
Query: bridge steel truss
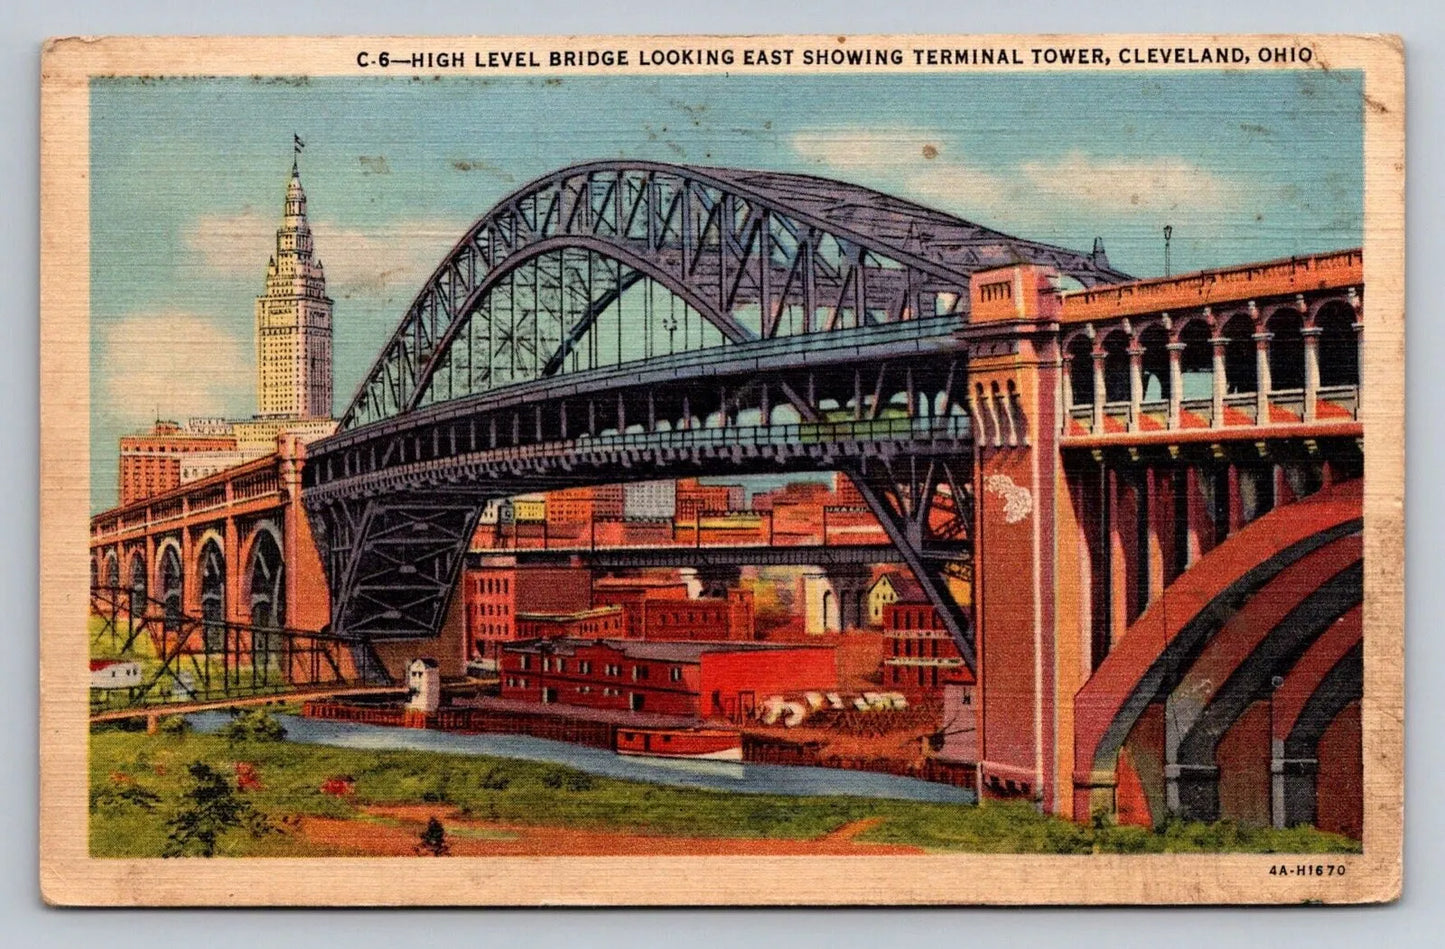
{"points": [[756, 255], [188, 659], [395, 505], [820, 328]]}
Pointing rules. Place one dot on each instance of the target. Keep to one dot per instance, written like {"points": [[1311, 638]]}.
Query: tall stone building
{"points": [[293, 322]]}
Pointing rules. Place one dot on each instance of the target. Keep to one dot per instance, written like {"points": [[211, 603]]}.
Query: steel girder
{"points": [[392, 562], [759, 256], [893, 424], [925, 505], [200, 658]]}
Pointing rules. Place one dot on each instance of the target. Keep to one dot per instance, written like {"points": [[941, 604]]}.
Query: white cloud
{"points": [[173, 363], [380, 261], [930, 166], [1164, 183]]}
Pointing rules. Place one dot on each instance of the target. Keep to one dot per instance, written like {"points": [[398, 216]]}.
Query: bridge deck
{"points": [[139, 711]]}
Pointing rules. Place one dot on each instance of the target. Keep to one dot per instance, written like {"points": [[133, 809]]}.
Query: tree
{"points": [[210, 809], [433, 840]]}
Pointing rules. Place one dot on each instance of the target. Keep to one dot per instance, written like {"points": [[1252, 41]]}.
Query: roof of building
{"points": [[574, 615], [97, 664], [687, 651], [626, 583], [908, 589]]}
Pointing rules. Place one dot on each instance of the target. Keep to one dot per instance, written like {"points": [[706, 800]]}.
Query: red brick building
{"points": [[919, 655], [695, 498], [150, 463], [583, 505], [695, 679], [660, 609], [631, 593], [711, 618], [495, 593]]}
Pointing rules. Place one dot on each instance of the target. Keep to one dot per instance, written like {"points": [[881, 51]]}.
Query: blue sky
{"points": [[188, 177]]}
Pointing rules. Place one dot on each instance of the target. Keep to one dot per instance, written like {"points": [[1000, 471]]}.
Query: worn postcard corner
{"points": [[606, 470]]}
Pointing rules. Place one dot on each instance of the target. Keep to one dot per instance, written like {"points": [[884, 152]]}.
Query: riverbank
{"points": [[316, 800]]}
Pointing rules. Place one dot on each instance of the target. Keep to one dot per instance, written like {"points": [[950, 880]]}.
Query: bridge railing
{"points": [[166, 657], [1234, 410], [917, 428]]}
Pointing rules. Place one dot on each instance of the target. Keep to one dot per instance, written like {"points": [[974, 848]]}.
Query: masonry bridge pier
{"points": [[1153, 485]]}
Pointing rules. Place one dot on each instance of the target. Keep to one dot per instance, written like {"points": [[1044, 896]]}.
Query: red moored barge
{"points": [[705, 744]]}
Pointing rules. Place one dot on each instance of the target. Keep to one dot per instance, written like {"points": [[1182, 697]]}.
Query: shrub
{"points": [[564, 779], [252, 724], [433, 840], [174, 726]]}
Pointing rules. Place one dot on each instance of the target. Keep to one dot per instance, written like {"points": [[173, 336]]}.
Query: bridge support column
{"points": [[834, 599], [1191, 791], [1312, 370], [1032, 572], [1292, 787], [714, 581]]}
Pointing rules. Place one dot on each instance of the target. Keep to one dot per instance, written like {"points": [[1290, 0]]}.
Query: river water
{"points": [[714, 775]]}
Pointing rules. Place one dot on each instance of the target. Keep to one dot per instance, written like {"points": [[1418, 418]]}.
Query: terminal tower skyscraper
{"points": [[293, 322]]}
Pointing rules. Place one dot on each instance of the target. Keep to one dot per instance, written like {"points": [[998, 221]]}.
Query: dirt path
{"points": [[394, 830]]}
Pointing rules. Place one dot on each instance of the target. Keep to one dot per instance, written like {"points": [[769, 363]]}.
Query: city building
{"points": [[695, 498], [728, 618], [584, 505], [151, 462], [919, 653], [632, 594], [293, 321], [649, 500], [496, 591], [960, 717], [695, 679], [845, 493], [203, 464], [886, 590], [114, 674]]}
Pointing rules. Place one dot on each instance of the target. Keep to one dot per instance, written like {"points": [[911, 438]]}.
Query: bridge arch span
{"points": [[263, 581], [1153, 718], [585, 298], [803, 254], [211, 579]]}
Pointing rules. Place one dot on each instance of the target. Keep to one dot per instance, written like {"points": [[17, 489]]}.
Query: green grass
{"points": [[531, 793]]}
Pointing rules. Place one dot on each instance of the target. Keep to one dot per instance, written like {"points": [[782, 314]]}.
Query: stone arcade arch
{"points": [[266, 589], [211, 563]]}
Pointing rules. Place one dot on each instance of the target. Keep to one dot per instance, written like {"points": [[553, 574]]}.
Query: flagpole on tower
{"points": [[296, 146]]}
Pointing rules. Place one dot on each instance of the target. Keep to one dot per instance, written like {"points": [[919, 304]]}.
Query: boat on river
{"points": [[703, 744]]}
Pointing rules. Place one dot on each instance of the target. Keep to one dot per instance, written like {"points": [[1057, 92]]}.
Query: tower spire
{"points": [[293, 317]]}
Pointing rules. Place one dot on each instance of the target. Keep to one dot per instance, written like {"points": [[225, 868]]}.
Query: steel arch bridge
{"points": [[622, 321]]}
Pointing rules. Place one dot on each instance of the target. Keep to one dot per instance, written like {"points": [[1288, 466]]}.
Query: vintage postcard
{"points": [[722, 470]]}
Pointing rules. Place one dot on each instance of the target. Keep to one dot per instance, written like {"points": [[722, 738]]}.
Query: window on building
{"points": [[639, 673], [561, 665], [584, 666], [526, 662], [675, 674]]}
